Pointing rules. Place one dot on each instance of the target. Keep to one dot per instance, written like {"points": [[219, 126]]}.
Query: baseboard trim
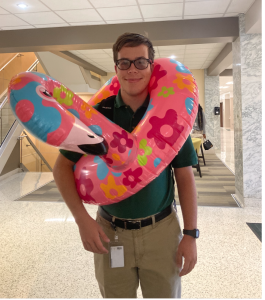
{"points": [[5, 176]]}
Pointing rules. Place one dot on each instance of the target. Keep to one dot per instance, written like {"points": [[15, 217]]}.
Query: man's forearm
{"points": [[64, 178], [187, 196]]}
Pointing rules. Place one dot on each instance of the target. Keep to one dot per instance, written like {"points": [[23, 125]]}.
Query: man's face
{"points": [[134, 81]]}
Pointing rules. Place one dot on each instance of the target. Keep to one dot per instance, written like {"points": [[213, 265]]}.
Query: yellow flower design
{"points": [[185, 81], [142, 159], [165, 92], [89, 110], [62, 95], [112, 190]]}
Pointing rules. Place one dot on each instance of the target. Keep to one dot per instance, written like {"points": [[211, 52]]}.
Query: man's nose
{"points": [[132, 69]]}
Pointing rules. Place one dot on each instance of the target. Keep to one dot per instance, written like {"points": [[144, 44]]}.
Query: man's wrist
{"points": [[194, 233]]}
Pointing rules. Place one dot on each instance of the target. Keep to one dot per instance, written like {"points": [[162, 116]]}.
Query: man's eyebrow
{"points": [[133, 59]]}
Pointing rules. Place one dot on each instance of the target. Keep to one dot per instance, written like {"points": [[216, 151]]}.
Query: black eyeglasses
{"points": [[140, 63]]}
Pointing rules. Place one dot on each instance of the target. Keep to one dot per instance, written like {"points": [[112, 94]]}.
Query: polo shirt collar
{"points": [[119, 102]]}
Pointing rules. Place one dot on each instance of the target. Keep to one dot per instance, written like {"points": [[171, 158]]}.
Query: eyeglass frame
{"points": [[133, 61]]}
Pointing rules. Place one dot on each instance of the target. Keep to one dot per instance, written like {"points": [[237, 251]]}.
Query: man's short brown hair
{"points": [[132, 40]]}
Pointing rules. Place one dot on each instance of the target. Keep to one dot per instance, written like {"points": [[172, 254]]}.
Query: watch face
{"points": [[197, 233]]}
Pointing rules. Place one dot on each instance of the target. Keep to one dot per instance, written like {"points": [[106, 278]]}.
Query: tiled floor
{"points": [[42, 255], [214, 188]]}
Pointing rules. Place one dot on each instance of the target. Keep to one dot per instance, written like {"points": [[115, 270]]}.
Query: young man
{"points": [[145, 223]]}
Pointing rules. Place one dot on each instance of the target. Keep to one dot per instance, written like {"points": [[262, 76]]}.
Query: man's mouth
{"points": [[133, 80]]}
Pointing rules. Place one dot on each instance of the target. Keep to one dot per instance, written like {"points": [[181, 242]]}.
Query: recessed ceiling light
{"points": [[22, 5], [230, 82]]}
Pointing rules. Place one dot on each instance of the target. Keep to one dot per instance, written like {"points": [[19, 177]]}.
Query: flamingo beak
{"points": [[95, 149]]}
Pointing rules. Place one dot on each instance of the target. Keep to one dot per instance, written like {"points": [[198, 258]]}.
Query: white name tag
{"points": [[116, 256]]}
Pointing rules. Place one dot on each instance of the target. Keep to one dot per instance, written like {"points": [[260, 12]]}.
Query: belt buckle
{"points": [[135, 222]]}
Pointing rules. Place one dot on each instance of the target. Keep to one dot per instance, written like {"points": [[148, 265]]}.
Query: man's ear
{"points": [[152, 67], [115, 69]]}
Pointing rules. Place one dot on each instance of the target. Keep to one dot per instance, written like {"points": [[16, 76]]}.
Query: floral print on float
{"points": [[165, 130]]}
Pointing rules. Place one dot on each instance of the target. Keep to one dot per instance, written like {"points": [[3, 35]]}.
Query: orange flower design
{"points": [[89, 110], [100, 95], [185, 81], [112, 190], [15, 81], [137, 129]]}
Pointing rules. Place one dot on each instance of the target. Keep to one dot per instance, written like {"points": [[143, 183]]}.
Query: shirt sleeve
{"points": [[186, 156], [74, 156]]}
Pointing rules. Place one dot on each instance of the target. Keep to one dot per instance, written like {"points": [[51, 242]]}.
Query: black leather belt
{"points": [[134, 224]]}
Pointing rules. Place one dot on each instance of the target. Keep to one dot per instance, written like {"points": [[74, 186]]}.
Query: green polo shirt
{"points": [[159, 193]]}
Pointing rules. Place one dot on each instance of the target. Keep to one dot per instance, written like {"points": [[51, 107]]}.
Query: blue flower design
{"points": [[189, 103], [96, 129], [102, 169], [74, 112], [150, 107], [157, 161], [116, 174], [109, 81], [180, 67]]}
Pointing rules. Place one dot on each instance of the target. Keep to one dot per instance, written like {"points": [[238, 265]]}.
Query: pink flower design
{"points": [[165, 130], [132, 177], [107, 160], [156, 75], [115, 85], [121, 141], [85, 187]]}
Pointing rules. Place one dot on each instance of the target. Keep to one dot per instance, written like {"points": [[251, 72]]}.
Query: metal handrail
{"points": [[9, 62], [36, 149]]}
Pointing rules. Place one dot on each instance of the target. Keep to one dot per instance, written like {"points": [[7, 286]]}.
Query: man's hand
{"points": [[91, 232], [187, 249]]}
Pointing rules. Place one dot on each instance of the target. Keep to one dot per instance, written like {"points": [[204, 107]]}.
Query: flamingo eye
{"points": [[46, 93], [91, 136]]}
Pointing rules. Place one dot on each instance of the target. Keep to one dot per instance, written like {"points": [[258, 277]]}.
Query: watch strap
{"points": [[194, 233]]}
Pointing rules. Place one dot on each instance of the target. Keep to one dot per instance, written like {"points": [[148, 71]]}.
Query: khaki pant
{"points": [[150, 258]]}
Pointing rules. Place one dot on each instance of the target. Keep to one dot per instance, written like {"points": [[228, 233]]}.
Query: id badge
{"points": [[116, 254]]}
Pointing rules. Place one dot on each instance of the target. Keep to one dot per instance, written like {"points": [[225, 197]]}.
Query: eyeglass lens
{"points": [[140, 63]]}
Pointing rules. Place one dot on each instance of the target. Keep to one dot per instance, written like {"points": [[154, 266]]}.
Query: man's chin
{"points": [[135, 92]]}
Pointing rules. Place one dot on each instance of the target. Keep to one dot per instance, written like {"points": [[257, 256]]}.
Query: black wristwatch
{"points": [[194, 233]]}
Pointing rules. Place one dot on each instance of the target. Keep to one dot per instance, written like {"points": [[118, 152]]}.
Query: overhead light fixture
{"points": [[230, 82], [172, 56], [22, 5]]}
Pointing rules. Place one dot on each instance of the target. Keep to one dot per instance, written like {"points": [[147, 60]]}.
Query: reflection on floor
{"points": [[217, 183], [227, 152], [214, 188], [42, 255]]}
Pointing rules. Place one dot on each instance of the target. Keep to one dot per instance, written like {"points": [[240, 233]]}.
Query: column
{"points": [[247, 63], [212, 99]]}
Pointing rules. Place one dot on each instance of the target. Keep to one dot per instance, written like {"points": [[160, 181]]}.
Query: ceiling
{"points": [[62, 13], [54, 13], [197, 56]]}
